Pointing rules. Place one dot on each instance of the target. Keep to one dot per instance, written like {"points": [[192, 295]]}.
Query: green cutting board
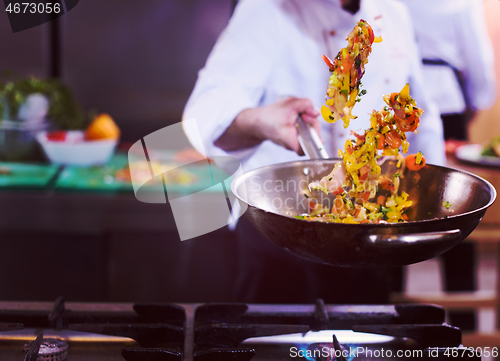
{"points": [[102, 178], [25, 175]]}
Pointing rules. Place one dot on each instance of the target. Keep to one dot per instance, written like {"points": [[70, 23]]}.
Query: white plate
{"points": [[472, 153]]}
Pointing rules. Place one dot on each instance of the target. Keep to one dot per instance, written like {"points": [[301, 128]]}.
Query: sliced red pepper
{"points": [[328, 62], [339, 190], [380, 120], [363, 173], [370, 31], [360, 137], [366, 196], [349, 149]]}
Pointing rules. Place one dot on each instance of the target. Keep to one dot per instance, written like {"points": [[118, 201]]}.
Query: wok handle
{"points": [[310, 141], [381, 240]]}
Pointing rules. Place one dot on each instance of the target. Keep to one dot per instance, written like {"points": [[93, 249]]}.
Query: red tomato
{"points": [[57, 136], [393, 139], [408, 124], [399, 113], [411, 162]]}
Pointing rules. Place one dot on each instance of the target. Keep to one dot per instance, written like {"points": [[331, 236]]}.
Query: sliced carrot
{"points": [[380, 139], [356, 212]]}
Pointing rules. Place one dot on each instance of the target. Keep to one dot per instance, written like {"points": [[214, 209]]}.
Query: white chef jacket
{"points": [[272, 48], [455, 31]]}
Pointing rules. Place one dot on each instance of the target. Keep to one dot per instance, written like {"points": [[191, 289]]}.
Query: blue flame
{"points": [[352, 355], [304, 349]]}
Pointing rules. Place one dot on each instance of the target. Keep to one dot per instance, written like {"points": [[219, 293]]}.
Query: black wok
{"points": [[275, 194]]}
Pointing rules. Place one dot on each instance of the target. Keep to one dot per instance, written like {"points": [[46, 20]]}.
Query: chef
{"points": [[266, 69]]}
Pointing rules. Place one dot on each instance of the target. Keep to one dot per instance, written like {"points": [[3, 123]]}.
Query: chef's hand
{"points": [[275, 122]]}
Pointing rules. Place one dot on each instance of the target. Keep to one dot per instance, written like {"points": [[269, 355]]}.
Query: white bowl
{"points": [[75, 150]]}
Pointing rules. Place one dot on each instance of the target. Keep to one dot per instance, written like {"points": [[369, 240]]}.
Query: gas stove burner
{"points": [[226, 331], [51, 349]]}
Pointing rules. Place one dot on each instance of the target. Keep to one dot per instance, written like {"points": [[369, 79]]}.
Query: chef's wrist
{"points": [[244, 132]]}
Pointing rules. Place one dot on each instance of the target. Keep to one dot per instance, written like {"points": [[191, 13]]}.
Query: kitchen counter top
{"points": [[491, 220], [94, 200]]}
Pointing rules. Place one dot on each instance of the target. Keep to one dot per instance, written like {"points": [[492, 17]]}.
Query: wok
{"points": [[275, 194]]}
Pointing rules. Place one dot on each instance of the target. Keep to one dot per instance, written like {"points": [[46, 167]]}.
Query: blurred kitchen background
{"points": [[138, 62], [135, 61]]}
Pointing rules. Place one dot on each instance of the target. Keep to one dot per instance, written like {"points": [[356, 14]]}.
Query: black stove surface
{"points": [[227, 331]]}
